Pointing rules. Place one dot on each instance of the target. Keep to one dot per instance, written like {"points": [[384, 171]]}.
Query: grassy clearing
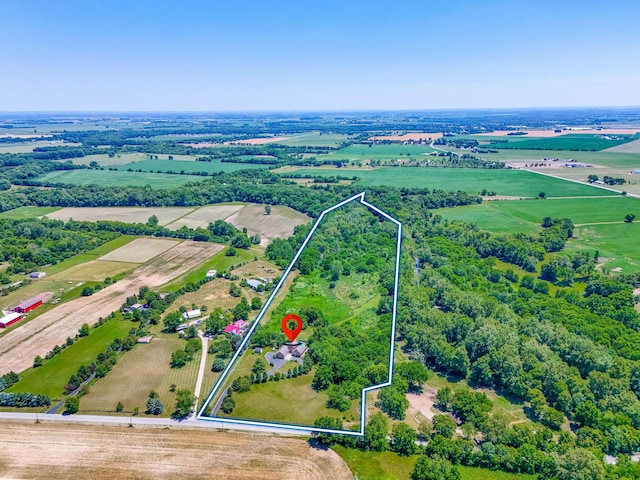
{"points": [[563, 142], [504, 182], [109, 178], [187, 167], [390, 466], [94, 254], [21, 213], [139, 371], [616, 242], [51, 378], [378, 152], [315, 140]]}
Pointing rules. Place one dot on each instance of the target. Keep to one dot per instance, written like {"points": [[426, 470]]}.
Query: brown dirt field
{"points": [[139, 250], [94, 271], [121, 214], [20, 346], [408, 136], [257, 141], [24, 135], [69, 451], [630, 147], [279, 224], [205, 215]]}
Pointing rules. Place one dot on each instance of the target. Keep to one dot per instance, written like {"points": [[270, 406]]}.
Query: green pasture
{"points": [[563, 142], [22, 213], [378, 152], [606, 159], [188, 167], [517, 183], [315, 139], [390, 466], [51, 378], [526, 215], [104, 160], [109, 178]]}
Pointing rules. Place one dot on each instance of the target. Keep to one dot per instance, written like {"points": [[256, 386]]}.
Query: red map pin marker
{"points": [[291, 333]]}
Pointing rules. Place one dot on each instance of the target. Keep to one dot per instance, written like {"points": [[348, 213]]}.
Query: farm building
{"points": [[10, 319], [211, 274], [191, 314], [28, 305], [145, 339], [36, 275], [255, 284]]}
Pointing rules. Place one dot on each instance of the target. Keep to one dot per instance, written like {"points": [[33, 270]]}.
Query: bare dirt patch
{"points": [[630, 147], [19, 347], [257, 141], [110, 452], [120, 214], [140, 250], [204, 215], [415, 137], [421, 405], [95, 271], [279, 224]]}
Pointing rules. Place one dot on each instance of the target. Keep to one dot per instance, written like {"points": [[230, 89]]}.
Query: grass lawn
{"points": [[390, 466], [51, 378], [110, 178], [21, 213], [188, 167], [504, 182], [378, 152], [145, 368], [91, 255]]}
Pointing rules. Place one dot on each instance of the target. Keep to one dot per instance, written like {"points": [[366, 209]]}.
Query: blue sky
{"points": [[317, 55]]}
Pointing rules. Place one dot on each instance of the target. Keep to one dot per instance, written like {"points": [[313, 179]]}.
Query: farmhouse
{"points": [[10, 319], [287, 351], [35, 275], [236, 328], [191, 314], [28, 305]]}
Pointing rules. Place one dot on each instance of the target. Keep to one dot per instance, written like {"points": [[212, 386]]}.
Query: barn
{"points": [[10, 319], [28, 305]]}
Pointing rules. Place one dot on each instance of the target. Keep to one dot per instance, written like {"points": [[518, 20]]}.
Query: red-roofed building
{"points": [[232, 329]]}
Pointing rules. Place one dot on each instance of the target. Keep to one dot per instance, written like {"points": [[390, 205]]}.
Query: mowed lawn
{"points": [[391, 466], [110, 178], [51, 378], [145, 368], [517, 183]]}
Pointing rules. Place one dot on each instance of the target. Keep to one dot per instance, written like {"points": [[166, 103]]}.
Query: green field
{"points": [[315, 140], [518, 183], [563, 142], [378, 152], [22, 213], [107, 178], [390, 466], [51, 378], [188, 167], [606, 159]]}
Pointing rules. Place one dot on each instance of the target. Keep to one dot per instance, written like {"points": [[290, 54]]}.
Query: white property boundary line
{"points": [[359, 197]]}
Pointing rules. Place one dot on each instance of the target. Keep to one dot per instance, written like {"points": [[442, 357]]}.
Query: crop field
{"points": [[602, 158], [279, 224], [187, 167], [21, 213], [140, 250], [563, 142], [517, 183], [629, 147], [145, 368], [391, 466], [118, 214], [51, 378], [401, 137], [110, 178], [202, 216], [315, 140], [116, 452], [378, 152], [96, 271], [21, 345], [27, 147], [104, 160]]}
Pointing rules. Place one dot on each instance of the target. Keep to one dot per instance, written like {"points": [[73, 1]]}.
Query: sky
{"points": [[280, 55]]}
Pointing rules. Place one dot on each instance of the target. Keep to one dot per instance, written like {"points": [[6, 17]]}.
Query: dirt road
{"points": [[19, 347], [69, 451]]}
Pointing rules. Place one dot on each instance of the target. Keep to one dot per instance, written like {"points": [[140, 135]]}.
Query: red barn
{"points": [[9, 319], [28, 305]]}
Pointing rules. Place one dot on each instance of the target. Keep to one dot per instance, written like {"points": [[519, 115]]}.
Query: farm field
{"points": [[119, 214], [279, 224], [401, 136], [202, 216], [605, 159], [51, 378], [377, 152], [315, 140], [21, 345], [117, 452], [563, 142], [144, 368], [391, 466], [110, 178], [27, 147], [21, 213], [104, 160], [188, 167], [96, 271], [140, 250], [629, 147], [517, 183]]}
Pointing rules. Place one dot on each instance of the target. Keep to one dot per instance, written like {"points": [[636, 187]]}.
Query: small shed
{"points": [[257, 350], [145, 339], [211, 274], [191, 314], [36, 275]]}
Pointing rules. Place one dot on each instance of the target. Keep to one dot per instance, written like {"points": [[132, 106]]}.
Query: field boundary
{"points": [[363, 411]]}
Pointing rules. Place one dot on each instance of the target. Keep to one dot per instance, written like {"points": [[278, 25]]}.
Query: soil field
{"points": [[630, 147], [257, 141], [110, 453], [415, 137], [28, 147], [95, 271], [110, 178], [120, 214], [20, 346], [279, 224], [204, 215], [140, 250]]}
